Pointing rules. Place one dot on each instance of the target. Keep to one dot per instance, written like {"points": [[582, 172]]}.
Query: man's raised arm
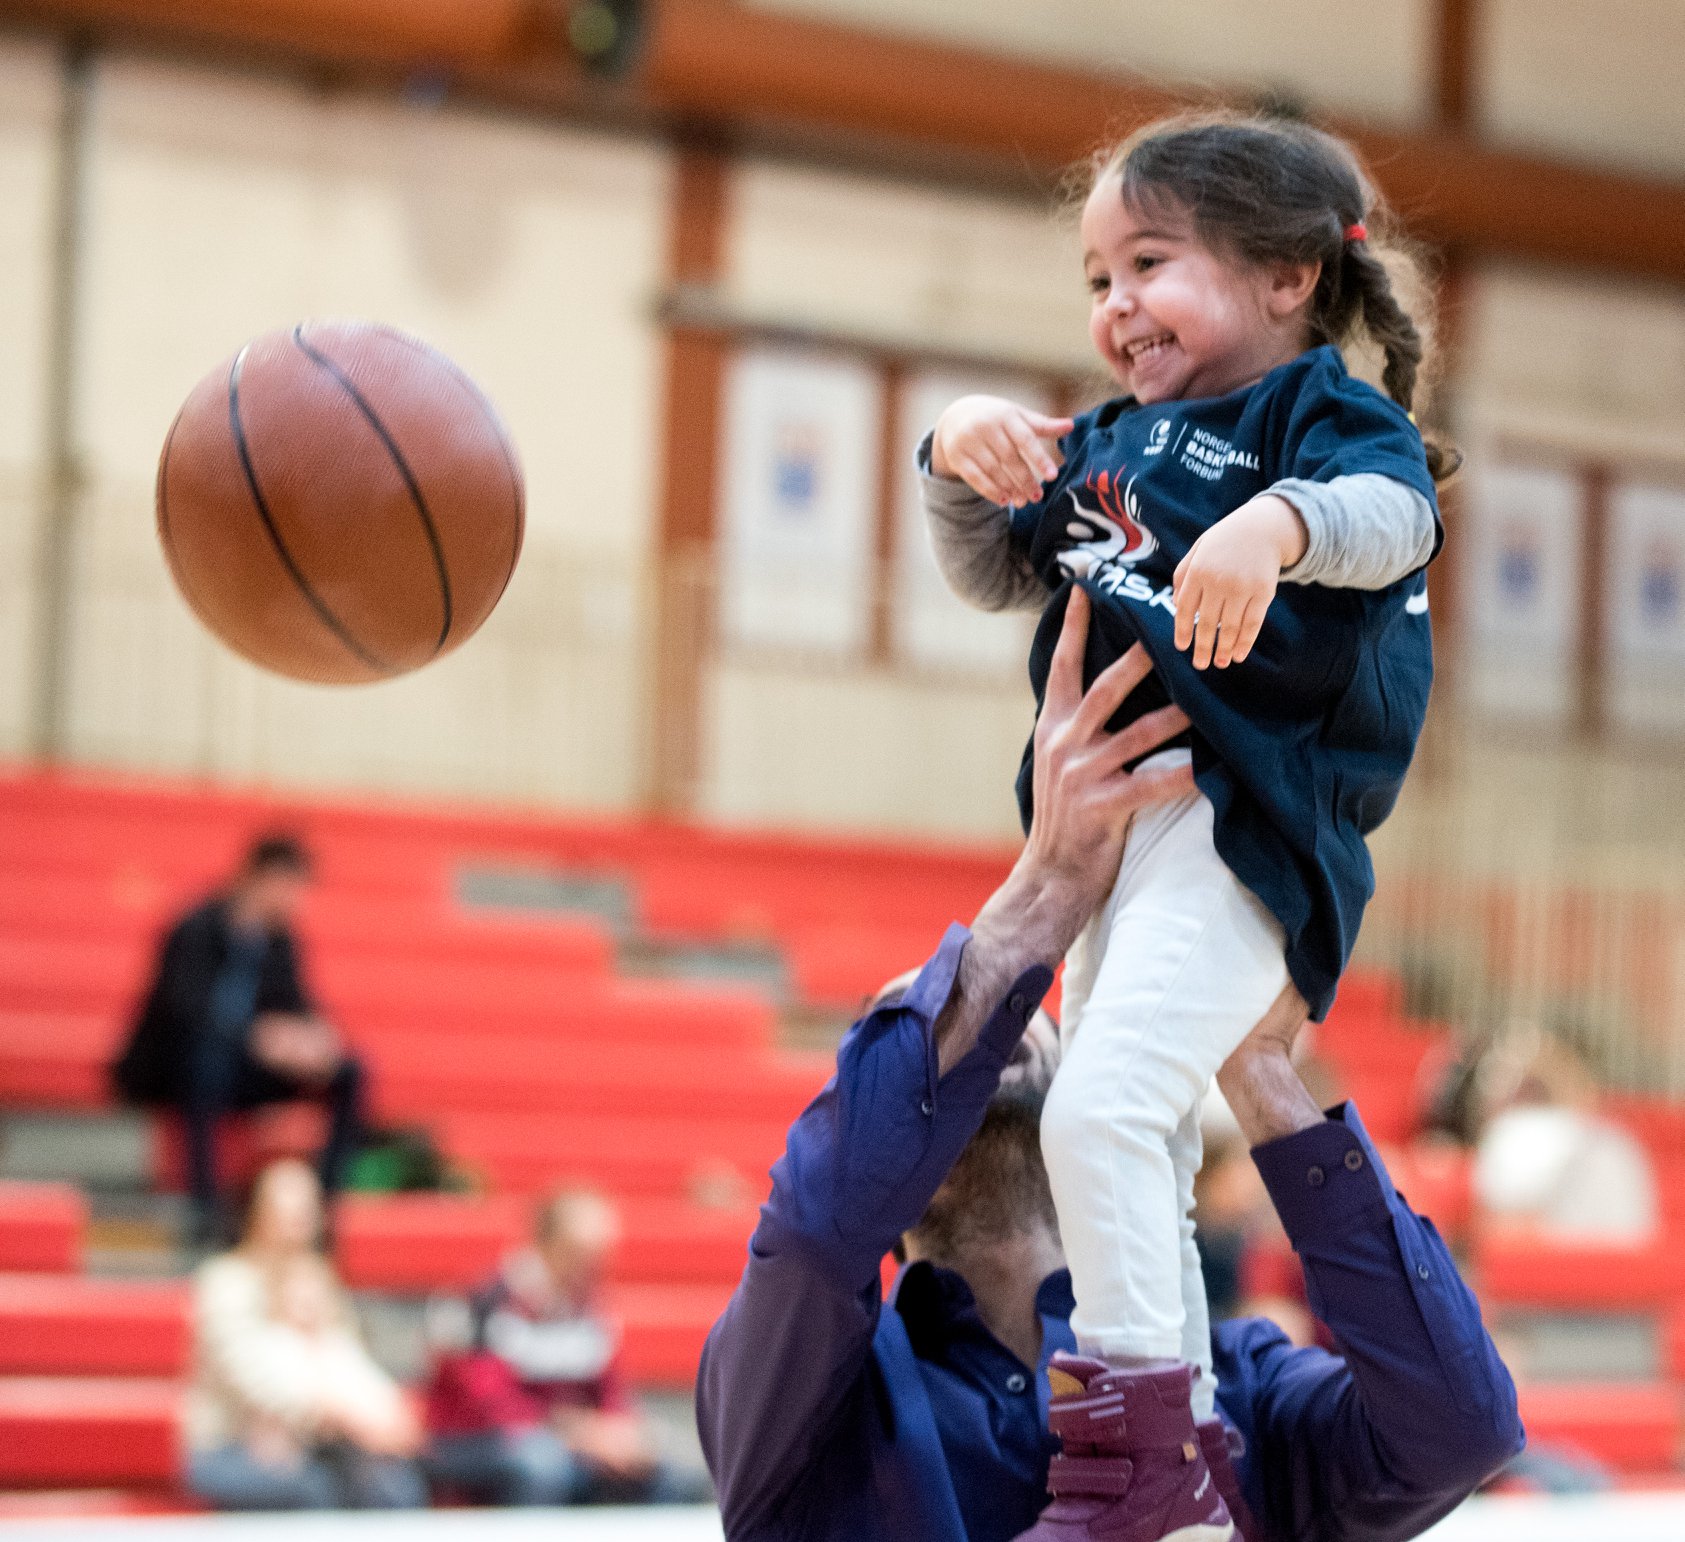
{"points": [[1421, 1410], [786, 1366]]}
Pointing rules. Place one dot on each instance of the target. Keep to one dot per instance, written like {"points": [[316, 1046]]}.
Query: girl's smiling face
{"points": [[1173, 319]]}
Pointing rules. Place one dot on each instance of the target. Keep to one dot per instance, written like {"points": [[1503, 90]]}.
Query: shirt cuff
{"points": [[929, 993], [1322, 1179]]}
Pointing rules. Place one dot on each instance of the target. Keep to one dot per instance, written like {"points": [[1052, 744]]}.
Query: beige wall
{"points": [[1373, 58], [29, 107], [220, 207], [1591, 80], [1593, 364], [885, 747], [913, 264], [866, 751]]}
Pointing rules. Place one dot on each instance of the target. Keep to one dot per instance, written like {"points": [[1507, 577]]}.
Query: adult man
{"points": [[825, 1416], [227, 1024], [528, 1403]]}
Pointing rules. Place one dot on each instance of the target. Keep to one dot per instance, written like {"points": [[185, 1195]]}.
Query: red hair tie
{"points": [[1357, 232]]}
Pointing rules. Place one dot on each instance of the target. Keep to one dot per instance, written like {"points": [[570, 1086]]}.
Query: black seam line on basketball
{"points": [[346, 384], [316, 602]]}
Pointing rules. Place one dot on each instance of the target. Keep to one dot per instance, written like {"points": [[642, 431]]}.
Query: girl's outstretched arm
{"points": [[971, 538]]}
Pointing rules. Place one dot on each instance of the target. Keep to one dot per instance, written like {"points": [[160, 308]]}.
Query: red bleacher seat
{"points": [[1438, 1181], [59, 1430], [67, 1325], [42, 1227], [1520, 1270], [666, 1326], [1632, 1426], [614, 1011], [622, 1153], [425, 1074], [83, 1504], [57, 1059], [246, 1143], [419, 1243], [414, 1243]]}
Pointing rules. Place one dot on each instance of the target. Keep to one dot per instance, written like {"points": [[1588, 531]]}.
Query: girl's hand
{"points": [[1002, 451], [1225, 584]]}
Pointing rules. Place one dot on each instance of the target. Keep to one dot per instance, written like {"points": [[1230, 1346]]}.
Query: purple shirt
{"points": [[824, 1416]]}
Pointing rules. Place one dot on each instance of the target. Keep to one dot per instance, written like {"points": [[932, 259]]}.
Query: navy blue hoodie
{"points": [[1302, 748]]}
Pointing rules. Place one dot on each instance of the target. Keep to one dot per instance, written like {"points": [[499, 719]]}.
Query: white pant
{"points": [[1164, 982]]}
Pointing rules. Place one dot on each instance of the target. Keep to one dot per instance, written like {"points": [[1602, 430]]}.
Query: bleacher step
{"points": [[110, 1150], [1570, 1346]]}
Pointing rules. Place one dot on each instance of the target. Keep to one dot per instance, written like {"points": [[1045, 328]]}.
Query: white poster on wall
{"points": [[1522, 591], [1645, 622], [803, 435], [931, 628]]}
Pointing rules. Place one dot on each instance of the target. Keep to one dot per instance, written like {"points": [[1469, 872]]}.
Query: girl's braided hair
{"points": [[1275, 190]]}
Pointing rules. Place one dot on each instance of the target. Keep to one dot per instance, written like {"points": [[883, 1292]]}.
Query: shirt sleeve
{"points": [[1363, 531], [1335, 426], [786, 1364], [238, 1350], [972, 541], [1419, 1409]]}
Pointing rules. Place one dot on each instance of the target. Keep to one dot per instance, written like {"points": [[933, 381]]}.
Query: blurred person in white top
{"points": [[1547, 1163], [287, 1410]]}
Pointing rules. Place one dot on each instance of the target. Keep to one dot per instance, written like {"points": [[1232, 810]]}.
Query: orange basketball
{"points": [[340, 503]]}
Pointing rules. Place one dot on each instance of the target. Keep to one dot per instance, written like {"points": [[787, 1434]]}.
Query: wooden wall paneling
{"points": [[687, 520], [1593, 660], [1450, 329], [415, 32], [1456, 63], [884, 545]]}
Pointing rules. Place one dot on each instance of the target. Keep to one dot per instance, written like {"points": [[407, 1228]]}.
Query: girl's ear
{"points": [[1291, 286]]}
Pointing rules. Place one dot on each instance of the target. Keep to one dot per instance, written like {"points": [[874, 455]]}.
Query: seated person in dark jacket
{"points": [[228, 1025], [828, 1413]]}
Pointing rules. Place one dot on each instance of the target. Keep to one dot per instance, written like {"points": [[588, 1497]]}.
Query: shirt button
{"points": [[1423, 1272], [1316, 1177], [1354, 1160], [1017, 1381], [927, 1108]]}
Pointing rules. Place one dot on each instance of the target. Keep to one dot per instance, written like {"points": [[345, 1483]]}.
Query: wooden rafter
{"points": [[732, 64], [939, 109]]}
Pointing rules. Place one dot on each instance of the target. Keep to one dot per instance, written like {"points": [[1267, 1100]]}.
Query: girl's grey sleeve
{"points": [[972, 541], [1365, 531]]}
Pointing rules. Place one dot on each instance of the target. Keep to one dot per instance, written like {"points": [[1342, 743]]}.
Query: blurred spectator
{"points": [[528, 1403], [1548, 1162], [287, 1411], [227, 1024]]}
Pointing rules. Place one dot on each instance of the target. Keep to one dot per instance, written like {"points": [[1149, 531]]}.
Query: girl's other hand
{"points": [[1001, 451], [1224, 585]]}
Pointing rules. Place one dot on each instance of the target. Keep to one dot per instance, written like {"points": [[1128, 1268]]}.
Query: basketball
{"points": [[339, 503]]}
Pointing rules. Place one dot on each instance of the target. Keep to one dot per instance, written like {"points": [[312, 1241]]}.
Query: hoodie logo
{"points": [[1105, 527]]}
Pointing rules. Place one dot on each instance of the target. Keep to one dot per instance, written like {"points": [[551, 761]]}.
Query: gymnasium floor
{"points": [[1620, 1516]]}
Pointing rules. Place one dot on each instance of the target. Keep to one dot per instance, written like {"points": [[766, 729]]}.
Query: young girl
{"points": [[1257, 519]]}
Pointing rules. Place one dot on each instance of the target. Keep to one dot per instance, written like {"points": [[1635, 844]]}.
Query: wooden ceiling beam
{"points": [[937, 111], [1455, 75], [730, 64]]}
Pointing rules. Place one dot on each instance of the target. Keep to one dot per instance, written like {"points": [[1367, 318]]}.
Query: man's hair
{"points": [[277, 852], [997, 1185], [563, 1209]]}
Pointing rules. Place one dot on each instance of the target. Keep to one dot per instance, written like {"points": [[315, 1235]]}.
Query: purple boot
{"points": [[1132, 1468], [1221, 1445]]}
